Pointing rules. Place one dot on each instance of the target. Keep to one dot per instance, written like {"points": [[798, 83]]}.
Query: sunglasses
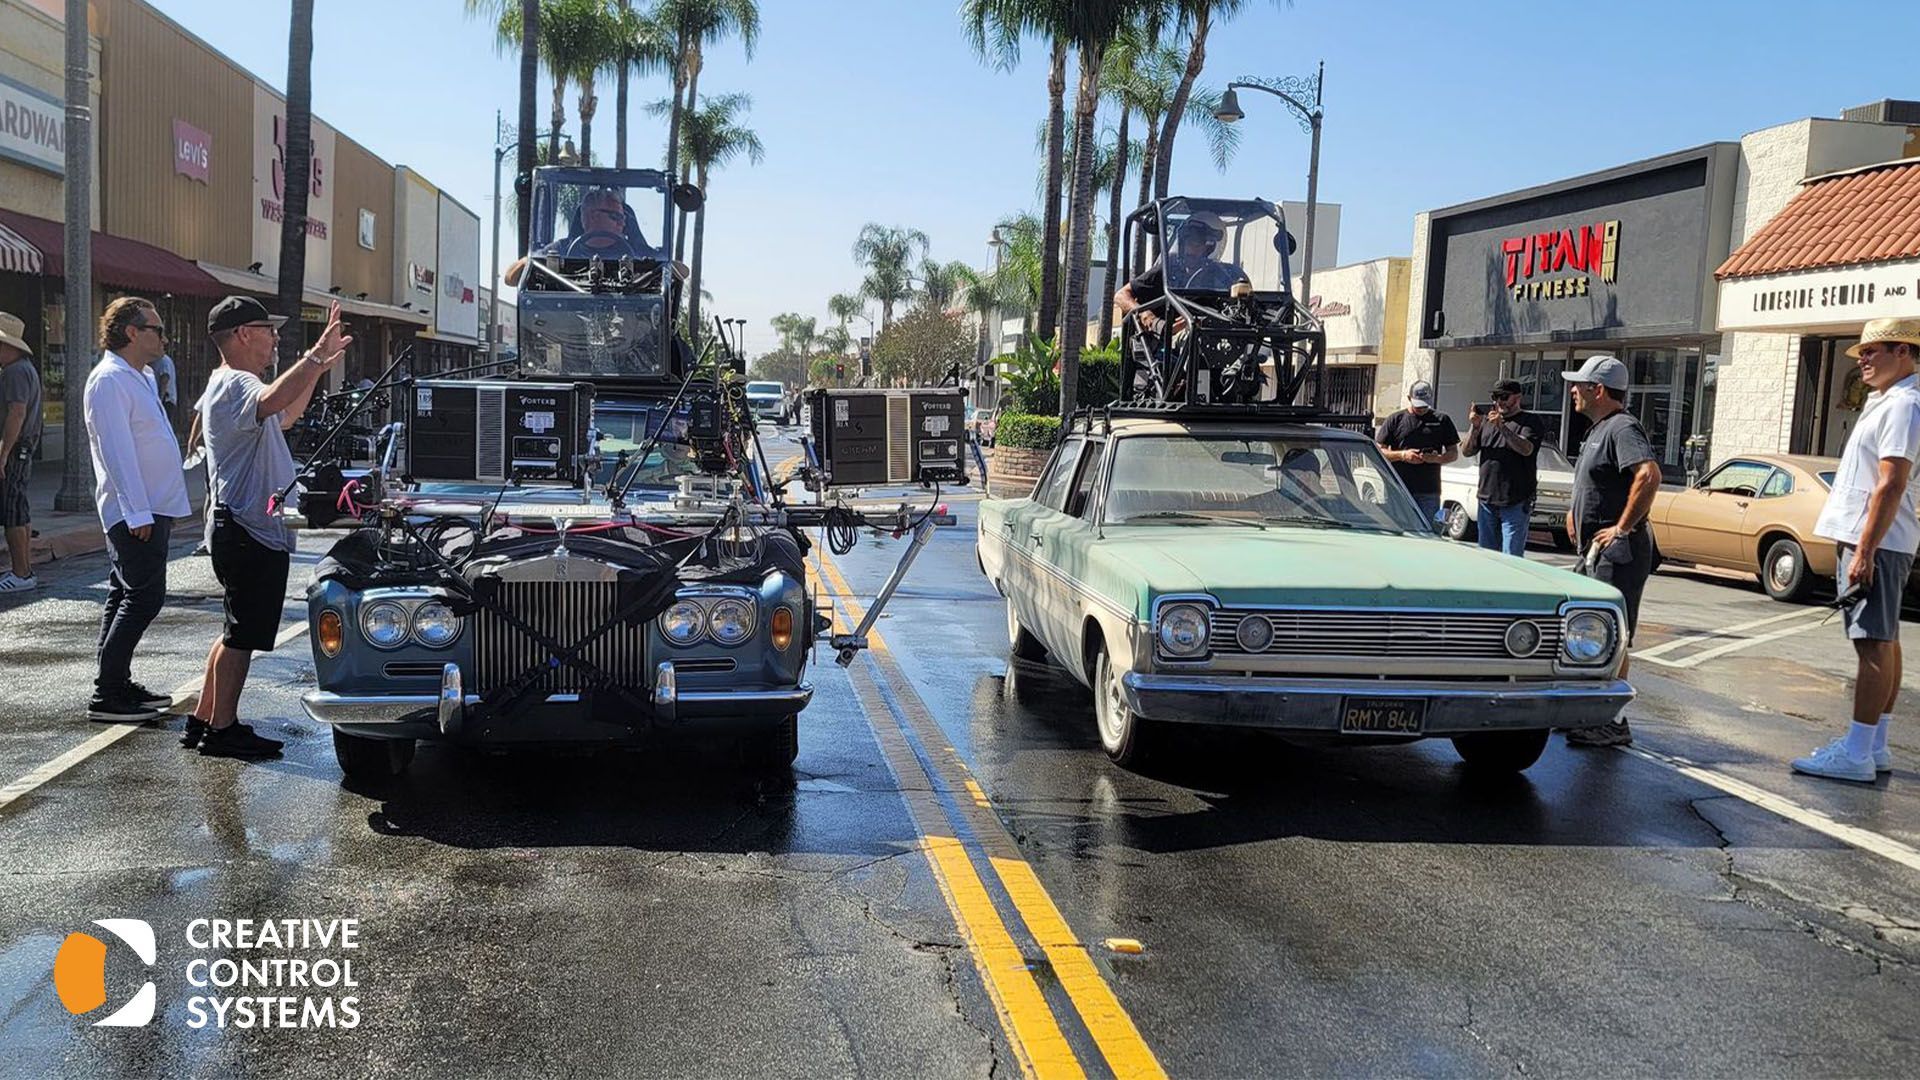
{"points": [[158, 330], [268, 327]]}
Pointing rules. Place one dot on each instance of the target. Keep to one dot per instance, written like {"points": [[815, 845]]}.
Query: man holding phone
{"points": [[1503, 436], [1870, 515], [1417, 440]]}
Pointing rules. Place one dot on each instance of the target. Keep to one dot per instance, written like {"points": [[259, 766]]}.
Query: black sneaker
{"points": [[237, 740], [196, 730], [1614, 734], [118, 710], [150, 698]]}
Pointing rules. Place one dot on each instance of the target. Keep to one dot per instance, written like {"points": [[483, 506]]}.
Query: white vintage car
{"points": [[1460, 497]]}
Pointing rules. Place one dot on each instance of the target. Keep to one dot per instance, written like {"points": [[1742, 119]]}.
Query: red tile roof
{"points": [[1863, 216]]}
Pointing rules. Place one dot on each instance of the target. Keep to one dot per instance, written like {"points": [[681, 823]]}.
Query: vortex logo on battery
{"points": [[80, 973]]}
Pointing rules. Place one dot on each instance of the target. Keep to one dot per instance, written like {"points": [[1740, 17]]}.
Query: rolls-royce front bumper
{"points": [[1450, 708]]}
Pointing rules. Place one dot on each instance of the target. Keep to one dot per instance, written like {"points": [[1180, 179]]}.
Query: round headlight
{"points": [[435, 625], [384, 624], [1254, 634], [730, 621], [683, 623], [1183, 630], [1523, 638], [1589, 637]]}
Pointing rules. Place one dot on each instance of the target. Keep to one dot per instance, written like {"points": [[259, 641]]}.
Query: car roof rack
{"points": [[1101, 417]]}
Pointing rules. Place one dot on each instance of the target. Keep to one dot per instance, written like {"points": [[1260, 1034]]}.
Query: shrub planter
{"points": [[1013, 471]]}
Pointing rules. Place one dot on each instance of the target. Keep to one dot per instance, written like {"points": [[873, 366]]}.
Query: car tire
{"points": [[772, 750], [1459, 524], [1561, 541], [1023, 645], [369, 761], [1784, 573], [1500, 751], [1127, 738]]}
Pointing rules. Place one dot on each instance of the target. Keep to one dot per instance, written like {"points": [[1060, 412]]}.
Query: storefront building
{"points": [[1363, 310], [1529, 284]]}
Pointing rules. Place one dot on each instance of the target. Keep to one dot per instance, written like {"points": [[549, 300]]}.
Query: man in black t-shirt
{"points": [[1504, 439], [1417, 440], [1190, 267]]}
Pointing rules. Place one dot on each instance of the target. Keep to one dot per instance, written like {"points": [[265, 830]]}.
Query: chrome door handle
{"points": [[1741, 503], [1038, 539]]}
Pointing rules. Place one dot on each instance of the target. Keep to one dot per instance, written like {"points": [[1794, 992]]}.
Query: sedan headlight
{"points": [[1588, 638], [730, 621], [435, 625], [683, 623], [384, 624], [1183, 630]]}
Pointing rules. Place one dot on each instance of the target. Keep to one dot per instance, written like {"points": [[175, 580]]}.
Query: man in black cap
{"points": [[243, 420], [1504, 438], [1416, 441]]}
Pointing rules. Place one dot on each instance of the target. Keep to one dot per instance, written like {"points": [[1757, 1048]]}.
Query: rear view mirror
{"points": [[688, 197], [1150, 225], [1284, 243]]}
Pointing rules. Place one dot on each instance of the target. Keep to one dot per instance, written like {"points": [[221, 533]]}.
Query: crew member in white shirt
{"points": [[139, 491], [1870, 514]]}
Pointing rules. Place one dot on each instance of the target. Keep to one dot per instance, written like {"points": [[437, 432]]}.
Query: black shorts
{"points": [[14, 512], [254, 579]]}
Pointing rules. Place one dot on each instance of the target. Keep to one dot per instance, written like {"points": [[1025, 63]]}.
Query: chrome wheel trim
{"points": [[1013, 626], [1110, 704], [1780, 571]]}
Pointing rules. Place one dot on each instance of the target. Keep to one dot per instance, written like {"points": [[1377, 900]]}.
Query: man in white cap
{"points": [[20, 427], [1417, 440], [1870, 515], [1614, 482]]}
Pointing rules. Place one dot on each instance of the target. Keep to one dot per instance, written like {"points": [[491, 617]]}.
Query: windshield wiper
{"points": [[1196, 515], [1321, 522]]}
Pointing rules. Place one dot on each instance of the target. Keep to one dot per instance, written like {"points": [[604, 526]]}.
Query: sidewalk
{"points": [[58, 535]]}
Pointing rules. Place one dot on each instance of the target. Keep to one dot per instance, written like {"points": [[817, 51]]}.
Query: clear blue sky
{"points": [[875, 110]]}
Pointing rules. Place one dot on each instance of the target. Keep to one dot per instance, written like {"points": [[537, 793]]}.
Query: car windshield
{"points": [[1307, 479], [622, 431], [1551, 459], [765, 388]]}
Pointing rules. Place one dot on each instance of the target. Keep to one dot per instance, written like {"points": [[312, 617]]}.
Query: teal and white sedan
{"points": [[1229, 569]]}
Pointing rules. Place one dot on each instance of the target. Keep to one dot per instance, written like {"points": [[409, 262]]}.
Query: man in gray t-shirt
{"points": [[20, 425], [242, 421]]}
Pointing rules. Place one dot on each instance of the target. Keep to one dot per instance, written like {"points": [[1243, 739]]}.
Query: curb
{"points": [[88, 539]]}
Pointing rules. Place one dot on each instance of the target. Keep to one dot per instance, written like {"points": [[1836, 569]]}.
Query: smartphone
{"points": [[1486, 407]]}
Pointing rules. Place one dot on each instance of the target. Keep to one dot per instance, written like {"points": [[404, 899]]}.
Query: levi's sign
{"points": [[1535, 264], [192, 151]]}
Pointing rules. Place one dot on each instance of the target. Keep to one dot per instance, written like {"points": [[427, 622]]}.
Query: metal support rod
{"points": [[847, 645], [493, 279], [1313, 186]]}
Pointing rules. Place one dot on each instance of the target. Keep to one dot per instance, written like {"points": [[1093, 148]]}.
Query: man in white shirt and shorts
{"points": [[1870, 514]]}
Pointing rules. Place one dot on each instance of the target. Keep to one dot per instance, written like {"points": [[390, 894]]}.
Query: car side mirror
{"points": [[1284, 243], [689, 197]]}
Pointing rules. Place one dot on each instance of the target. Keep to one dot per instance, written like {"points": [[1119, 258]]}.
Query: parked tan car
{"points": [[1754, 513]]}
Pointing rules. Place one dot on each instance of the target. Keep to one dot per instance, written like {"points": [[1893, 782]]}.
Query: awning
{"points": [[16, 254], [117, 261], [264, 285], [1846, 249]]}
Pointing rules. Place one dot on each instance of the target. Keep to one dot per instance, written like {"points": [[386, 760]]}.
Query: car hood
{"points": [[1315, 567]]}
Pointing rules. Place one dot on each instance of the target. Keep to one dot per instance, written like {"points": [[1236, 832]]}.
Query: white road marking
{"points": [[1802, 621], [185, 697], [1866, 840]]}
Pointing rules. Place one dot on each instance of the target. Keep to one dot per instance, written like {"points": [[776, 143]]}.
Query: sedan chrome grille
{"points": [[567, 611], [1361, 633]]}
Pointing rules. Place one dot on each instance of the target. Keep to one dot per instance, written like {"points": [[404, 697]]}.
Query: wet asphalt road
{"points": [[1301, 911]]}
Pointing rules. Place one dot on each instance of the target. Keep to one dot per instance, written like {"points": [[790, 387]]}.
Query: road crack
{"points": [[1514, 1064]]}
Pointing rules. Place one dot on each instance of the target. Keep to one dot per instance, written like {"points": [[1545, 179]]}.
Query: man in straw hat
{"points": [[20, 426], [1871, 514]]}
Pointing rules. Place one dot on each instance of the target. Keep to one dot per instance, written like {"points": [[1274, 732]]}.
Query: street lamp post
{"points": [[1229, 112]]}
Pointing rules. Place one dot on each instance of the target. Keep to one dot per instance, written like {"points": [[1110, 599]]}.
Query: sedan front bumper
{"points": [[1452, 708]]}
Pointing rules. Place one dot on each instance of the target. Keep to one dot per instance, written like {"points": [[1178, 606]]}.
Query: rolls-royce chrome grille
{"points": [[1398, 635], [567, 611]]}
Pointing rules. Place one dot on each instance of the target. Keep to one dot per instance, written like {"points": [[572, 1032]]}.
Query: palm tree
{"points": [[1092, 26], [299, 169], [887, 252], [1198, 18], [527, 40], [643, 48], [941, 283], [712, 136], [690, 26], [994, 29], [844, 306], [1019, 273], [573, 39]]}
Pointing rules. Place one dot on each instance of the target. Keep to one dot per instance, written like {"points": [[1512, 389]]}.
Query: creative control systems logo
{"points": [[80, 973]]}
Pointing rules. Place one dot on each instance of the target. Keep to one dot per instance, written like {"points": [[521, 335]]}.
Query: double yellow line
{"points": [[1040, 1043]]}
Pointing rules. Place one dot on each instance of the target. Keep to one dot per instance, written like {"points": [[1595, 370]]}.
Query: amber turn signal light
{"points": [[782, 627], [329, 633]]}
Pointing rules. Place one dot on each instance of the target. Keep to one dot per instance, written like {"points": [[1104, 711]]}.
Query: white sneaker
{"points": [[1833, 762], [1882, 760], [12, 582]]}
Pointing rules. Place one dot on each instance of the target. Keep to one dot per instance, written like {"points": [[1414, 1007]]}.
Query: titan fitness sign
{"points": [[1536, 264]]}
